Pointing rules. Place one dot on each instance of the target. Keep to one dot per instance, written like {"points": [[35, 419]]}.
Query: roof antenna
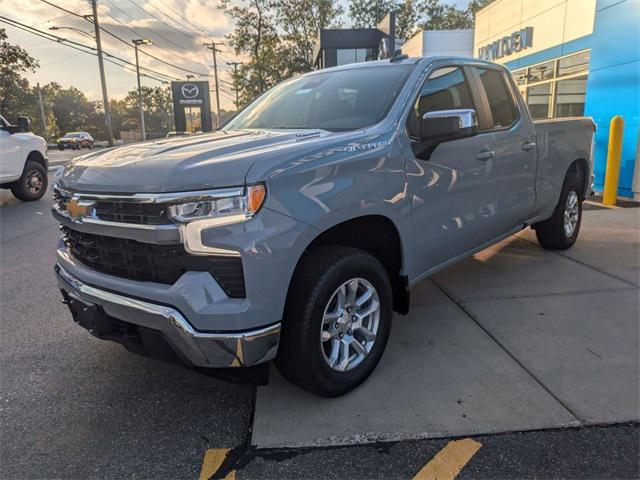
{"points": [[397, 56]]}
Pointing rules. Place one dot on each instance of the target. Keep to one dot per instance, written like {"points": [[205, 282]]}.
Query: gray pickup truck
{"points": [[294, 232]]}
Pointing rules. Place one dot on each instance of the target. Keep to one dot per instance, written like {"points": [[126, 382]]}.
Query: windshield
{"points": [[335, 101], [73, 135]]}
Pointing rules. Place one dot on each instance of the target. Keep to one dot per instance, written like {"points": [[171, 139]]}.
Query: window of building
{"points": [[544, 71], [538, 100], [573, 64], [555, 88], [520, 76], [503, 109], [570, 96], [445, 89], [351, 55]]}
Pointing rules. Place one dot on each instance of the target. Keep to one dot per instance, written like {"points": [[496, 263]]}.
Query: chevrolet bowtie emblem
{"points": [[77, 209]]}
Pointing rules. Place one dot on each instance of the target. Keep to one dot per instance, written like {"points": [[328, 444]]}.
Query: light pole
{"points": [[105, 97], [137, 42]]}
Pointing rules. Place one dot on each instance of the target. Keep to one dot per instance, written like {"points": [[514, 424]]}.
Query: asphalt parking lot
{"points": [[517, 362], [60, 157]]}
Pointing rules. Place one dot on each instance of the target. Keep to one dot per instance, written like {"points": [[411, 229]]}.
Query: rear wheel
{"points": [[337, 320], [32, 185], [560, 231]]}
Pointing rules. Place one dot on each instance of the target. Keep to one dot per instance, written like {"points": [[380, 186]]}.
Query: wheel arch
{"points": [[377, 235], [36, 156], [580, 167]]}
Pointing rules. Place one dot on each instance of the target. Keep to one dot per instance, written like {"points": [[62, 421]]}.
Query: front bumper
{"points": [[199, 349]]}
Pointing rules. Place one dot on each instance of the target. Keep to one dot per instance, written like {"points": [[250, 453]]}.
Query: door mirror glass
{"points": [[24, 124], [446, 125]]}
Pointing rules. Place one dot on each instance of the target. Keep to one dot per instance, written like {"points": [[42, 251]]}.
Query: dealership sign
{"points": [[189, 93], [191, 96], [513, 43]]}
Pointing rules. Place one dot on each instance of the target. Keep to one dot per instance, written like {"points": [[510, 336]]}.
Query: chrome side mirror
{"points": [[446, 125]]}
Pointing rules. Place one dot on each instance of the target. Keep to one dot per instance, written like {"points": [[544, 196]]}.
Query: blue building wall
{"points": [[613, 87]]}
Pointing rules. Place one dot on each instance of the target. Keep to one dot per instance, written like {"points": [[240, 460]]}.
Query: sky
{"points": [[177, 29]]}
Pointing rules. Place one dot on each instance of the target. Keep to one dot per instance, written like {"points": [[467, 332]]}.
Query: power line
{"points": [[127, 43], [158, 34], [160, 20], [182, 17], [64, 43], [79, 46], [147, 53]]}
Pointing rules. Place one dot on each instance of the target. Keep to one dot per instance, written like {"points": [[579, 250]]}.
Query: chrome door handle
{"points": [[486, 155], [527, 147]]}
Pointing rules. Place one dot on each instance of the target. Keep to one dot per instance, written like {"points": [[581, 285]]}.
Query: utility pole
{"points": [[235, 80], [105, 97], [136, 43], [43, 119], [213, 47]]}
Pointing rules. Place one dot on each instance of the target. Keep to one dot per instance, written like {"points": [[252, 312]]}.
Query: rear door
{"points": [[450, 191], [512, 170]]}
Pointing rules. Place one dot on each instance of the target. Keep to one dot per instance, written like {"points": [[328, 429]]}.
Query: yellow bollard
{"points": [[614, 156]]}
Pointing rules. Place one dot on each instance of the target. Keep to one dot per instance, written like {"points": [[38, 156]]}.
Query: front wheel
{"points": [[337, 320], [560, 231], [32, 185]]}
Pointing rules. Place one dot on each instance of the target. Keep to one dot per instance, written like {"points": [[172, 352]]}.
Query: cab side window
{"points": [[445, 89], [501, 103]]}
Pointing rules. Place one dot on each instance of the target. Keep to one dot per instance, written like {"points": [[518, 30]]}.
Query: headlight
{"points": [[225, 206]]}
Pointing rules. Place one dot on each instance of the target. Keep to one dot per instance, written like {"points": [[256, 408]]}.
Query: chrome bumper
{"points": [[209, 350]]}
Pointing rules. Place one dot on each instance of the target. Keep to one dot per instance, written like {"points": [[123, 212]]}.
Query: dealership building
{"points": [[569, 57], [572, 57]]}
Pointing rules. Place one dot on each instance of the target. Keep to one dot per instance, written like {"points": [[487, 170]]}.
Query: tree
{"points": [[158, 110], [406, 20], [300, 22], [254, 35], [437, 16], [14, 89], [278, 36], [368, 13], [70, 106]]}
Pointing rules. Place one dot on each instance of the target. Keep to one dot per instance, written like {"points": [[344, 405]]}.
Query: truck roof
{"points": [[405, 61]]}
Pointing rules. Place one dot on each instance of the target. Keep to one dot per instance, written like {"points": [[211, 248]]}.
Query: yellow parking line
{"points": [[213, 458], [449, 461]]}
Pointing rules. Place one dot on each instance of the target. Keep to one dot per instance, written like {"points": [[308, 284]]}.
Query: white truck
{"points": [[23, 160]]}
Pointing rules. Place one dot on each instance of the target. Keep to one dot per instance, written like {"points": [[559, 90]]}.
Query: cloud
{"points": [[176, 42]]}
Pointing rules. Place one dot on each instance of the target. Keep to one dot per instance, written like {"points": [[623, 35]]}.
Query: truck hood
{"points": [[199, 162]]}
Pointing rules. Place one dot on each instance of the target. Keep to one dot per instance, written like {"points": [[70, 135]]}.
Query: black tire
{"points": [[551, 233], [24, 188], [300, 355], [60, 147]]}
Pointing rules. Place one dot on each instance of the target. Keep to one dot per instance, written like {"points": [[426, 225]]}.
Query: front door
{"points": [[450, 191], [10, 158]]}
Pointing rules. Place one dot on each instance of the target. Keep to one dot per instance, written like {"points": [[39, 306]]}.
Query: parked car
{"points": [[23, 160], [75, 141], [296, 231]]}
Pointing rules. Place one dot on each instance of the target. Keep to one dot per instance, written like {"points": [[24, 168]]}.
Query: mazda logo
{"points": [[190, 91]]}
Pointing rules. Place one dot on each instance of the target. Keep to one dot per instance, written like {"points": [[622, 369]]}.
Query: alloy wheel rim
{"points": [[571, 212], [350, 324], [34, 182]]}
